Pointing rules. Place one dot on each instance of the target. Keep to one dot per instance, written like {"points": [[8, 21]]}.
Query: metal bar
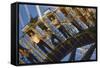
{"points": [[72, 56], [89, 53]]}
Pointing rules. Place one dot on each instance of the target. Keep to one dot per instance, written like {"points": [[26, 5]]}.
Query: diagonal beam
{"points": [[72, 56], [89, 53]]}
